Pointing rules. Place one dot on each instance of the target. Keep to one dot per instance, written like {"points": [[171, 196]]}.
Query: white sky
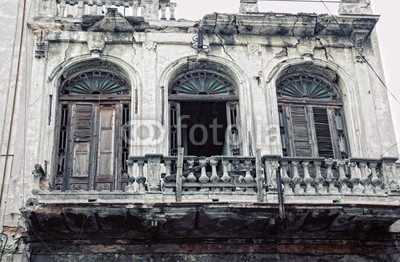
{"points": [[195, 9]]}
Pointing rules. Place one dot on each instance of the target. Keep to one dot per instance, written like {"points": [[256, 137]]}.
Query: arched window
{"points": [[311, 117], [92, 141], [204, 117]]}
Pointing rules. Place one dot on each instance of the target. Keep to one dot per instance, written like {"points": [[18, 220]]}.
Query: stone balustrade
{"points": [[153, 9], [215, 174], [311, 176], [236, 176]]}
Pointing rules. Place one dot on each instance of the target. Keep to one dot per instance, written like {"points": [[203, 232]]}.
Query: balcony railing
{"points": [[252, 179], [162, 9]]}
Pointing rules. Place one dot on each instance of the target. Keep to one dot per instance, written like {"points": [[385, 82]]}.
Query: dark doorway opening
{"points": [[203, 128]]}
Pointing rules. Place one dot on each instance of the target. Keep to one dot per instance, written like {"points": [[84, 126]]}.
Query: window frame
{"points": [[334, 110], [121, 104]]}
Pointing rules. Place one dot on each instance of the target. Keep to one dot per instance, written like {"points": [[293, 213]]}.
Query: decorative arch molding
{"points": [[327, 70], [183, 64], [72, 67], [202, 82]]}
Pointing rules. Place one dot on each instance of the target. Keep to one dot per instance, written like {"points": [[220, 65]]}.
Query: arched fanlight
{"points": [[303, 86], [202, 82], [95, 83]]}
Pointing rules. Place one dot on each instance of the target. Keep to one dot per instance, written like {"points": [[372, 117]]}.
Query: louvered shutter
{"points": [[301, 131], [81, 145], [106, 147], [323, 132], [175, 128], [232, 134]]}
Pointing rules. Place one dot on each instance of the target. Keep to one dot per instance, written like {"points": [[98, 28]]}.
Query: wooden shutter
{"points": [[82, 136], [342, 146], [61, 165], [123, 148], [283, 130], [323, 132], [175, 128], [301, 131], [233, 131], [106, 149]]}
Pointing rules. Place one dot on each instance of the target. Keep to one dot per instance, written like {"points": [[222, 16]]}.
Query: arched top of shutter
{"points": [[95, 83], [202, 82], [306, 87]]}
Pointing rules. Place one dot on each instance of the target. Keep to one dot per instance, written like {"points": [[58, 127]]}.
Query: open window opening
{"points": [[204, 116]]}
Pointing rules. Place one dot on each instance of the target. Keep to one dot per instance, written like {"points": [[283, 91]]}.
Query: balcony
{"points": [[76, 9], [278, 202], [158, 178]]}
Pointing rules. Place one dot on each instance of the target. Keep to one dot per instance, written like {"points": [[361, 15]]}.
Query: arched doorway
{"points": [[204, 117], [92, 131]]}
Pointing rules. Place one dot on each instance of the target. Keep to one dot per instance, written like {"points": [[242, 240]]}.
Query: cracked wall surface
{"points": [[256, 48]]}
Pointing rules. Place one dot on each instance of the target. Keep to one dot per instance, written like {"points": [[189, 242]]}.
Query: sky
{"points": [[194, 10]]}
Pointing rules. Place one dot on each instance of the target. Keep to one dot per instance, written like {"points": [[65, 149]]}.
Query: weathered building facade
{"points": [[244, 136]]}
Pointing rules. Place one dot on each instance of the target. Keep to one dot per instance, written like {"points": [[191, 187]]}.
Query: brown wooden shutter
{"points": [[62, 148], [301, 132], [233, 131], [341, 143], [283, 130], [323, 133], [175, 128], [123, 128], [82, 136], [106, 147]]}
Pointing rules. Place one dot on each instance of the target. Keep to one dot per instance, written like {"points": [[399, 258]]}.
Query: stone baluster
{"points": [[355, 179], [190, 177], [135, 7], [62, 8], [391, 180], [271, 165], [163, 9], [172, 8], [214, 176], [330, 178], [225, 176], [248, 6], [307, 178], [319, 179], [248, 178], [126, 6], [132, 184], [167, 164], [99, 6], [168, 177], [286, 180], [203, 174], [365, 180], [150, 9], [343, 179], [154, 171], [296, 179], [376, 181], [81, 8], [140, 179], [92, 7]]}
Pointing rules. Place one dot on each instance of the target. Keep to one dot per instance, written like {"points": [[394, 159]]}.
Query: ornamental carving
{"points": [[254, 49], [150, 45]]}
